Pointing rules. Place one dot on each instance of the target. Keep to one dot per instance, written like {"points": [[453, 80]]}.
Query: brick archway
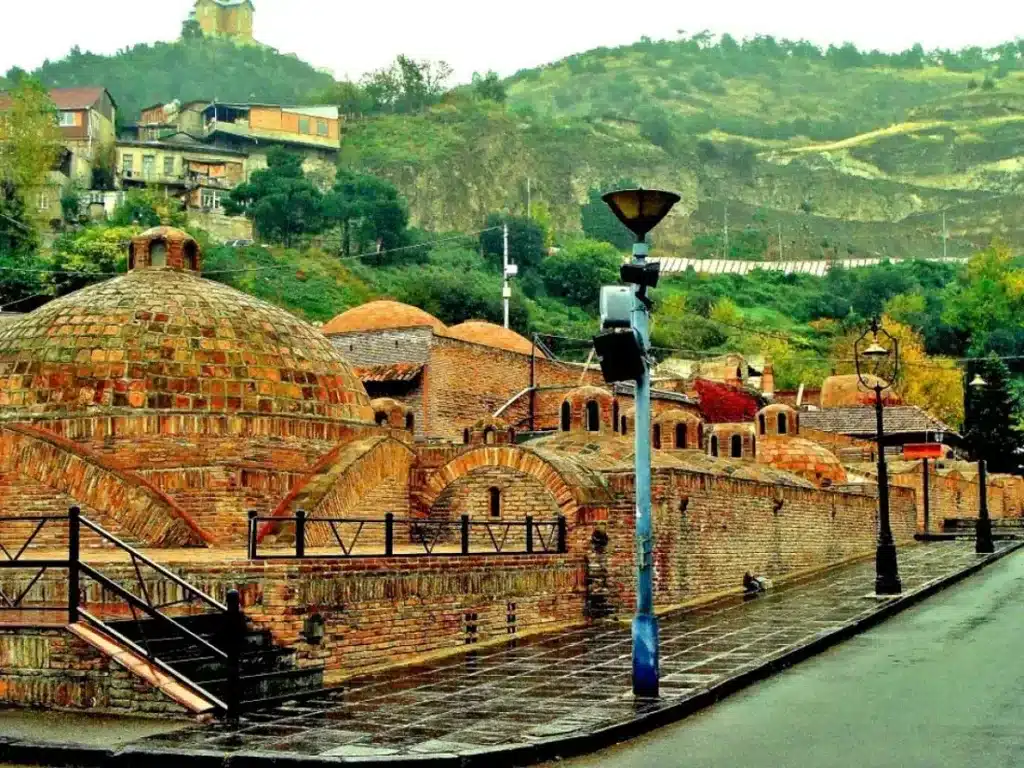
{"points": [[529, 463], [138, 507]]}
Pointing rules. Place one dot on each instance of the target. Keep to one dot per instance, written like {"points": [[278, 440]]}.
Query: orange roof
{"points": [[379, 315], [67, 98], [491, 335]]}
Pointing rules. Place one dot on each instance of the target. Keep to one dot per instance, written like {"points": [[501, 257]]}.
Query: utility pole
{"points": [[506, 289], [781, 254], [945, 235], [725, 251], [529, 200]]}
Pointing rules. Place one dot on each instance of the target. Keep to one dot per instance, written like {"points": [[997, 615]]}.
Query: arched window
{"points": [[494, 506], [191, 256], [762, 424], [158, 253], [511, 436], [739, 373], [410, 422], [714, 445], [623, 429], [783, 424], [593, 416], [382, 419], [566, 416], [680, 436], [465, 436], [737, 446], [489, 436], [615, 416], [131, 257], [657, 436], [700, 436]]}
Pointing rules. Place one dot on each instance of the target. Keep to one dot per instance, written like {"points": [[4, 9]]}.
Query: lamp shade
{"points": [[978, 382], [876, 351], [640, 210]]}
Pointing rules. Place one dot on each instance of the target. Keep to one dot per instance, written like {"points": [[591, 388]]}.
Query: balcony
{"points": [[152, 177]]}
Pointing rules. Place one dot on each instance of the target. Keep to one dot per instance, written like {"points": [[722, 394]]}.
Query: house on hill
{"points": [[228, 19]]}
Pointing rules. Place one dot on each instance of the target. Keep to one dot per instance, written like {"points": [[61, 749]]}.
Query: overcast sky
{"points": [[350, 38]]}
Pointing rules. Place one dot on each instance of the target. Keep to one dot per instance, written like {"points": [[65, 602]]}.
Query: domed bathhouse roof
{"points": [[381, 315], [165, 339], [491, 335], [778, 419], [801, 457]]}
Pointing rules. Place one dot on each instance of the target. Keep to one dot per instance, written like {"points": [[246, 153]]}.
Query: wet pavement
{"points": [[568, 684]]}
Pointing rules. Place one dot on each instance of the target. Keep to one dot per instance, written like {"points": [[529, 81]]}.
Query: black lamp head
{"points": [[640, 210]]}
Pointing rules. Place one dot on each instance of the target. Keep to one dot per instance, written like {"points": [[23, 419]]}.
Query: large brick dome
{"points": [[165, 339], [491, 335], [382, 315]]}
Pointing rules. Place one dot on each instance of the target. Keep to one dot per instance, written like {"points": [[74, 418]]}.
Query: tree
{"points": [[29, 138], [190, 30], [281, 202], [407, 86], [454, 297], [993, 414], [18, 243], [348, 97], [489, 87], [525, 241], [599, 223], [369, 210], [89, 255], [577, 272], [71, 206], [146, 208]]}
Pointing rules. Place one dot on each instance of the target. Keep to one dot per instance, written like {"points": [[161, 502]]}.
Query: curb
{"points": [[136, 756]]}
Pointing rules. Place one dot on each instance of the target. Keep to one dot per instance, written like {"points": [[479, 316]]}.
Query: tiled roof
{"points": [[491, 335], [379, 374], [382, 315], [861, 420], [67, 98]]}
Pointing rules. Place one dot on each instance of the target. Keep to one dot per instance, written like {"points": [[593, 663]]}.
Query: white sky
{"points": [[354, 37]]}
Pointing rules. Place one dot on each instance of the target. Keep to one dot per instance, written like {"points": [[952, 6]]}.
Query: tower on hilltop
{"points": [[229, 19]]}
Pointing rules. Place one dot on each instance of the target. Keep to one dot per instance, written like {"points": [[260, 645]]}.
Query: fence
{"points": [[407, 537]]}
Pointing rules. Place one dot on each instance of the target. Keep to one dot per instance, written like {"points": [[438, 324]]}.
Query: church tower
{"points": [[228, 19]]}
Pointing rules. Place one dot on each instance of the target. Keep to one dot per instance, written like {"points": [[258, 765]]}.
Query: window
{"points": [[615, 416], [495, 502], [158, 253], [783, 424], [566, 416], [736, 446], [714, 445], [67, 119], [623, 429], [465, 436], [656, 439], [410, 422], [489, 436], [148, 166], [303, 125], [44, 201], [210, 199], [169, 166], [761, 423], [593, 417], [322, 129], [680, 435], [127, 164], [381, 418], [191, 257]]}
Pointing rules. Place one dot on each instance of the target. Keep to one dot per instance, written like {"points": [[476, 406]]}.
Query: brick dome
{"points": [[845, 391], [381, 315], [778, 419], [801, 457], [162, 339], [491, 335]]}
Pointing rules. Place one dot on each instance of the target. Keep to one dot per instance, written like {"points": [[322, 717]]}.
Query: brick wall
{"points": [[710, 531], [384, 347], [950, 496], [52, 668]]}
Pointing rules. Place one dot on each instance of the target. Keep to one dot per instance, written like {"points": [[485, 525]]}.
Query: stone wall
{"points": [[220, 226], [951, 496], [52, 668], [385, 347]]}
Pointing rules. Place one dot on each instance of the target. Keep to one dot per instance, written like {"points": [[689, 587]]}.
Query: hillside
{"points": [[196, 69]]}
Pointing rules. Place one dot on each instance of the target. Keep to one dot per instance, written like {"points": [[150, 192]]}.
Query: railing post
{"points": [[562, 535], [389, 534], [74, 554], [233, 641], [253, 533], [529, 534], [300, 533], [465, 534]]}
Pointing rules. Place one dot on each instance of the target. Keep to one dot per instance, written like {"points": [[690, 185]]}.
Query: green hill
{"points": [[195, 69]]}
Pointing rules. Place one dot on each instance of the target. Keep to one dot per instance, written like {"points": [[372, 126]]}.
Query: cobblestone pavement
{"points": [[561, 685]]}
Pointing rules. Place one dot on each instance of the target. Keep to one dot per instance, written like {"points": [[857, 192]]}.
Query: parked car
{"points": [[239, 243]]}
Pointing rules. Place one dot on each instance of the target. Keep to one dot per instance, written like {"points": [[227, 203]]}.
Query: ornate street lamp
{"points": [[983, 543], [876, 354], [641, 210]]}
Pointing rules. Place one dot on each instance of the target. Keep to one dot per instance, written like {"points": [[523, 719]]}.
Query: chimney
{"points": [[768, 379]]}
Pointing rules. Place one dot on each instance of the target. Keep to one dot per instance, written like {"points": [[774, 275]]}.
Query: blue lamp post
{"points": [[641, 210]]}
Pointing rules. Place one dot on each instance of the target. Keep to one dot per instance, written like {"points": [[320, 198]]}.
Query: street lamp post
{"points": [[640, 210], [872, 359], [983, 543]]}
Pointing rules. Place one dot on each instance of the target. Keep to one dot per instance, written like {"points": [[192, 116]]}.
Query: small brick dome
{"points": [[732, 441], [801, 457], [489, 431], [162, 339], [491, 335], [164, 248], [778, 419], [382, 315], [677, 429], [846, 391], [588, 409], [388, 412]]}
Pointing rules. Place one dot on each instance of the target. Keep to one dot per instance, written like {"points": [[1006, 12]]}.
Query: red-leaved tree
{"points": [[722, 404]]}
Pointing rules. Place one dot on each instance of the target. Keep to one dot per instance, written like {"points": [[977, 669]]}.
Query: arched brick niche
{"points": [[489, 431], [588, 409], [778, 420], [676, 429], [164, 248], [732, 441]]}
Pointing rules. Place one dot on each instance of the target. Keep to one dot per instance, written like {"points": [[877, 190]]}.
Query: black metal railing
{"points": [[391, 536], [138, 597]]}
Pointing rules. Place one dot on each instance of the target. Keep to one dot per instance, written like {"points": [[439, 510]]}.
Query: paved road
{"points": [[940, 685]]}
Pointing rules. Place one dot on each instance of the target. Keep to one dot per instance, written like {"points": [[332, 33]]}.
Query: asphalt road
{"points": [[942, 684]]}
